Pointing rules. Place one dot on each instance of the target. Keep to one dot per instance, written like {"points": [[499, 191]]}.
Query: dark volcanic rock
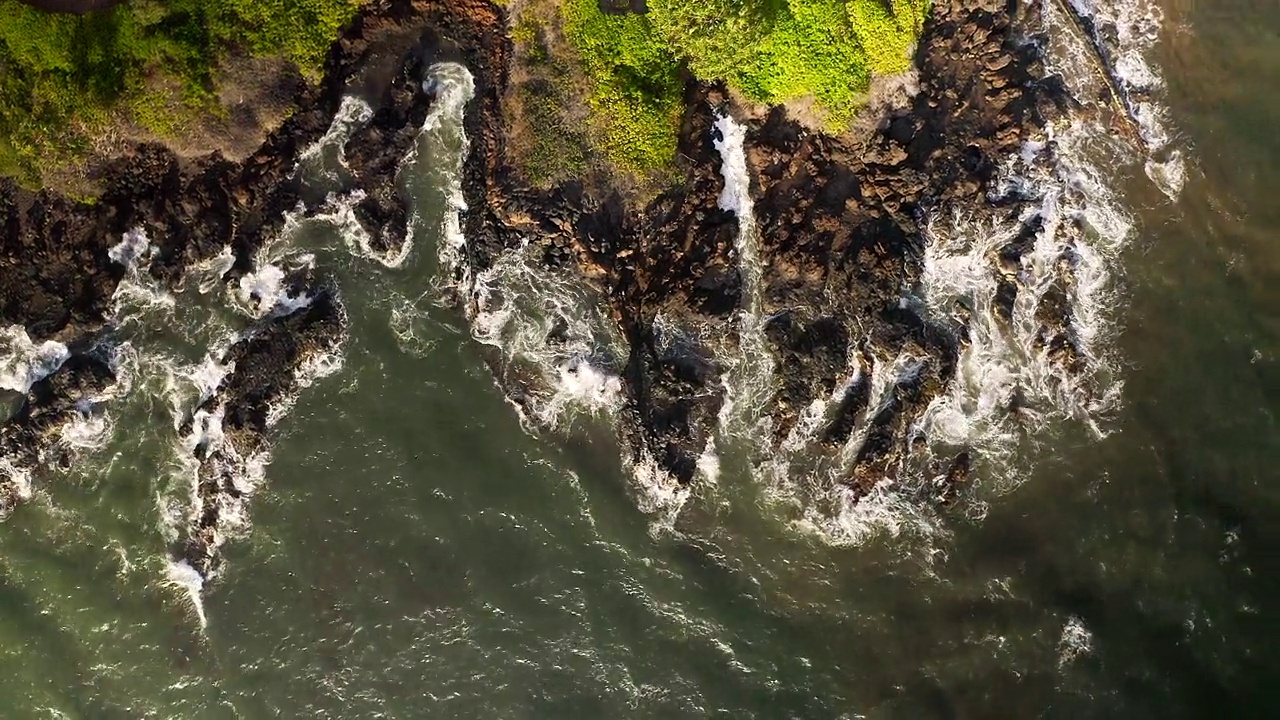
{"points": [[55, 276], [841, 240], [841, 220], [54, 269], [29, 438], [57, 279], [231, 428]]}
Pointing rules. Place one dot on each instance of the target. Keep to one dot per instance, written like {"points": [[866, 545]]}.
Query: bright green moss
{"points": [[887, 37]]}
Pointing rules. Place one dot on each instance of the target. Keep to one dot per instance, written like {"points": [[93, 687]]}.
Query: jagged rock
{"points": [[29, 436], [841, 240], [266, 373]]}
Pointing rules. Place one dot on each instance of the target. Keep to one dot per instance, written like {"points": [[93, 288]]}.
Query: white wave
{"points": [[583, 385], [444, 133], [207, 377], [1076, 641], [18, 477], [352, 114], [133, 247], [1005, 384], [85, 432], [311, 368], [320, 365], [656, 491], [1083, 230], [544, 323], [206, 447], [264, 291], [748, 376], [407, 316], [551, 336], [1169, 174], [729, 138], [140, 296], [885, 377], [24, 363], [180, 576], [1126, 33], [340, 211], [123, 360], [847, 518], [137, 295], [89, 427], [206, 451], [442, 127], [708, 464], [209, 272]]}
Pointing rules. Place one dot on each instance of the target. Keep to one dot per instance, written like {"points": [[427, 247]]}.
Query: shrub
{"points": [[636, 84]]}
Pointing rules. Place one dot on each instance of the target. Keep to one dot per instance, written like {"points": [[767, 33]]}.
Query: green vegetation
{"points": [[61, 75], [771, 51], [636, 83]]}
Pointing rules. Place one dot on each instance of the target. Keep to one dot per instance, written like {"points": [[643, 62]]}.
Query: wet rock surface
{"points": [[842, 234], [57, 279], [230, 431], [842, 223], [30, 436]]}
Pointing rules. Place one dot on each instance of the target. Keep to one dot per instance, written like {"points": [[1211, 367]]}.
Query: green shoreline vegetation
{"points": [[770, 51], [62, 76], [64, 79]]}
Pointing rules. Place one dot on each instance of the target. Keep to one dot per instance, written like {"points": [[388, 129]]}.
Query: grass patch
{"points": [[772, 51], [62, 75], [636, 87]]}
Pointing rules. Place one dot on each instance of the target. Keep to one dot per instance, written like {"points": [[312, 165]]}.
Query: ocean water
{"points": [[418, 547]]}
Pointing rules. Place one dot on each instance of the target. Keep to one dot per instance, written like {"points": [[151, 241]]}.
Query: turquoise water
{"points": [[416, 553]]}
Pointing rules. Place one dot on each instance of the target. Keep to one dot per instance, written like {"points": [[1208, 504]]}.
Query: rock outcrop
{"points": [[229, 433], [57, 279], [841, 225], [30, 436]]}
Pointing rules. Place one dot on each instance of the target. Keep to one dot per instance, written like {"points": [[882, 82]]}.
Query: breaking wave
{"points": [[1119, 35], [444, 135], [1008, 385], [352, 114], [748, 378], [24, 363], [552, 339]]}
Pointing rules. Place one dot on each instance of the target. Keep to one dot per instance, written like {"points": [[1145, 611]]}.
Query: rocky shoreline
{"points": [[230, 431], [840, 227]]}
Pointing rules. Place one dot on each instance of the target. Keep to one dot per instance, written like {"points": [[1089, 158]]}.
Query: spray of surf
{"points": [[553, 343], [266, 292], [446, 138], [352, 114], [138, 295], [1122, 34], [187, 582], [748, 377], [23, 362], [1008, 385]]}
